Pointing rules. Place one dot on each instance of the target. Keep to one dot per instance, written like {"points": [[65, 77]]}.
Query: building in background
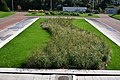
{"points": [[75, 9], [116, 1], [113, 1], [111, 10]]}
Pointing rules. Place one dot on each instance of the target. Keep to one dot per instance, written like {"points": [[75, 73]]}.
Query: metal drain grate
{"points": [[64, 77]]}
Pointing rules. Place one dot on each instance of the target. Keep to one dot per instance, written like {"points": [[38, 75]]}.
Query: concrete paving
{"points": [[108, 26], [55, 74], [114, 23], [12, 31], [108, 31]]}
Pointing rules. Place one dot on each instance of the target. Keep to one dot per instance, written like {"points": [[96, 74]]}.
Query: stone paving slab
{"points": [[13, 19], [53, 77], [105, 19], [31, 76], [12, 31], [110, 22], [108, 31]]}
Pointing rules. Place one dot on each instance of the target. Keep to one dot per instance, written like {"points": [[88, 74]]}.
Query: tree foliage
{"points": [[3, 6], [56, 4]]}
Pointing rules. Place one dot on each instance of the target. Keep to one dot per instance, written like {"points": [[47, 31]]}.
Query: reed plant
{"points": [[70, 48]]}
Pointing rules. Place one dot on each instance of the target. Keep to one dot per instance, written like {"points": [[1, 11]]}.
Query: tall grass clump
{"points": [[70, 48]]}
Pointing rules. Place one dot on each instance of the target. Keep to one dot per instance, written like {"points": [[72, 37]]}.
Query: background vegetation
{"points": [[58, 4], [3, 6]]}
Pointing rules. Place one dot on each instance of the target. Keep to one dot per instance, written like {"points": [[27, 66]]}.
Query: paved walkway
{"points": [[12, 31], [108, 26], [8, 21], [114, 23], [55, 74]]}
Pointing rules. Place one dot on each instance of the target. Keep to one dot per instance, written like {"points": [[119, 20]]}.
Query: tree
{"points": [[3, 6]]}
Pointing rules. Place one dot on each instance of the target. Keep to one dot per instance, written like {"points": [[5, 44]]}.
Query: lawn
{"points": [[86, 15], [5, 14], [16, 51], [115, 59], [117, 16]]}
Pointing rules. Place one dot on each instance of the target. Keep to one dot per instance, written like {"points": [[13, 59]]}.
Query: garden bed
{"points": [[35, 40], [69, 48]]}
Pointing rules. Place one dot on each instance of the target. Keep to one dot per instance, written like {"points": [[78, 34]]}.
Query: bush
{"points": [[47, 13], [90, 14], [70, 48], [34, 12], [53, 13], [66, 13]]}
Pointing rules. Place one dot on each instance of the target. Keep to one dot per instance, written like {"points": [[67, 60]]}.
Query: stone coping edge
{"points": [[60, 72]]}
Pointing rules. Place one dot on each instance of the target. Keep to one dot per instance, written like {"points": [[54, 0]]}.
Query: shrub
{"points": [[54, 13], [34, 12], [90, 14], [47, 13], [40, 61], [66, 13], [70, 47]]}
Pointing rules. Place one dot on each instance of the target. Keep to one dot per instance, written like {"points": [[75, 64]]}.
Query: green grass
{"points": [[5, 14], [43, 14], [115, 16], [86, 15], [114, 63], [35, 14], [16, 51]]}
